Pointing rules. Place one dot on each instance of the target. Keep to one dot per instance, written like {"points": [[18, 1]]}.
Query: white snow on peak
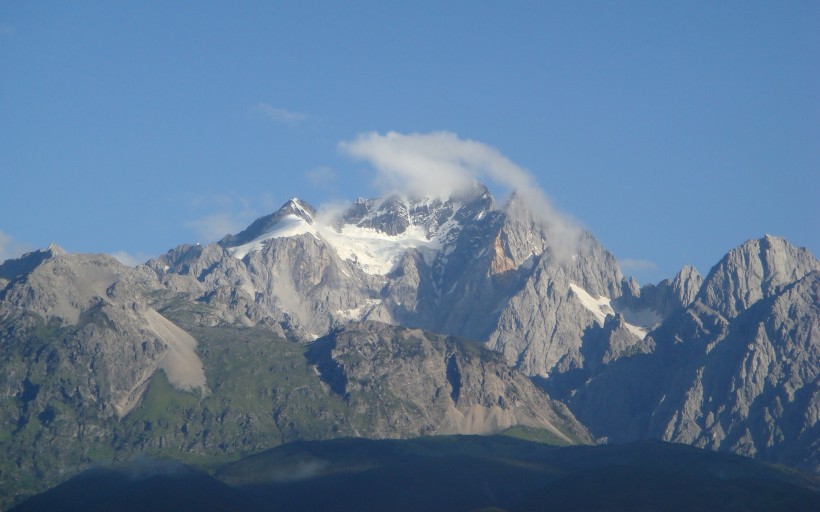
{"points": [[296, 203], [640, 332], [290, 225], [356, 313], [601, 308], [376, 253]]}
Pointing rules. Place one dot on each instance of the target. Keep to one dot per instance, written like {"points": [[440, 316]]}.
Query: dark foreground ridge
{"points": [[447, 473]]}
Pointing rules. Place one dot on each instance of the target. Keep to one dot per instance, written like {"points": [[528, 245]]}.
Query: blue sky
{"points": [[673, 131]]}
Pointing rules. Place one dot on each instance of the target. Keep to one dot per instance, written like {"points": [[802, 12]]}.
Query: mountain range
{"points": [[399, 317]]}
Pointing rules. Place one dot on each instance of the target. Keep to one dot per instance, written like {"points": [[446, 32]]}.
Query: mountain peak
{"points": [[299, 208], [394, 214], [55, 249], [686, 284], [753, 271], [262, 225], [25, 264]]}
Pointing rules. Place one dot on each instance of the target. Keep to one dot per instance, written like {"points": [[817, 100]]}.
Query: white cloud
{"points": [[440, 163], [11, 248], [131, 260], [226, 214], [278, 114], [637, 265], [214, 226]]}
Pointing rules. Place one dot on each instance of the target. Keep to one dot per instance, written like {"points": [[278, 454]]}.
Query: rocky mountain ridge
{"points": [[103, 362], [735, 370], [459, 267], [312, 324]]}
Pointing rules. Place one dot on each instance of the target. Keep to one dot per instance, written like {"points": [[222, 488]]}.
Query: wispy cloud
{"points": [[321, 177], [637, 265], [214, 226], [220, 201], [280, 115], [440, 163], [129, 259], [227, 214], [11, 248]]}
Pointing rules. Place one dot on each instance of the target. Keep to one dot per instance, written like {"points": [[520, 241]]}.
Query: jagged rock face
{"points": [[656, 302], [753, 271], [101, 308], [731, 362], [685, 286], [262, 225], [409, 382], [541, 326], [611, 342], [457, 266], [80, 341], [756, 388], [738, 376], [302, 276], [395, 214]]}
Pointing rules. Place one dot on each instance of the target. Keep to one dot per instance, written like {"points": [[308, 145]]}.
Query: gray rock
{"points": [[753, 271], [495, 277], [653, 303], [409, 382], [103, 304], [737, 370]]}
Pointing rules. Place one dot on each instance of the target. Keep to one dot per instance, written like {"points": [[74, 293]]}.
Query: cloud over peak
{"points": [[439, 164], [130, 259], [11, 248], [431, 164]]}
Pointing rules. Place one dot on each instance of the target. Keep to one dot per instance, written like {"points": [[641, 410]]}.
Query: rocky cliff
{"points": [[400, 317], [736, 370], [459, 266], [102, 362]]}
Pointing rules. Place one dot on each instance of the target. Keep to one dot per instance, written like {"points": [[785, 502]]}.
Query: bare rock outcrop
{"points": [[737, 370], [409, 382], [101, 307]]}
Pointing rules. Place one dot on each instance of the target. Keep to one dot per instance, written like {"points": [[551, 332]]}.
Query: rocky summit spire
{"points": [[753, 271]]}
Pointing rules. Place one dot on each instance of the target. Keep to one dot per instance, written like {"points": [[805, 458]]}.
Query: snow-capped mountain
{"points": [[470, 268], [373, 234], [459, 266], [305, 325]]}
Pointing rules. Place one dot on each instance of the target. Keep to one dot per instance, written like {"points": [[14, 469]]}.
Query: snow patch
{"points": [[297, 205], [374, 252], [600, 308], [290, 225], [359, 312], [640, 332], [350, 314]]}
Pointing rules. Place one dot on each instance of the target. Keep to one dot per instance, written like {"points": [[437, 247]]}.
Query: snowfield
{"points": [[374, 252], [601, 308]]}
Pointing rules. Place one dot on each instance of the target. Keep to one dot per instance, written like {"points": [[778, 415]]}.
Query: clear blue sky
{"points": [[673, 131]]}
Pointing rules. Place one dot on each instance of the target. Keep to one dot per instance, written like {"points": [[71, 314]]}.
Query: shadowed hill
{"points": [[448, 473]]}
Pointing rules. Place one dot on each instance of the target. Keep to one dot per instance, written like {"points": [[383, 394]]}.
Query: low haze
{"points": [[673, 132]]}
